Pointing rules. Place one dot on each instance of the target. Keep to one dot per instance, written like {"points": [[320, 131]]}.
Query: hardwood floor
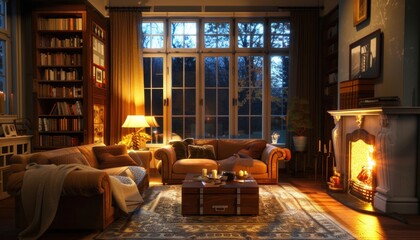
{"points": [[363, 226]]}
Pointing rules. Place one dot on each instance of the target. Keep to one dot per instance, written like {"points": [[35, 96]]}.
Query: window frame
{"points": [[165, 34], [231, 35], [169, 47]]}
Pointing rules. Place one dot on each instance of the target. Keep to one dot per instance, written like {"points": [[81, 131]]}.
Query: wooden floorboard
{"points": [[363, 226]]}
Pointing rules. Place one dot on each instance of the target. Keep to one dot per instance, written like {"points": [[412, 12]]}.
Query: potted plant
{"points": [[298, 121]]}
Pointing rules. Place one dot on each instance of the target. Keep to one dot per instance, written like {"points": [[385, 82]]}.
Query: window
{"points": [[217, 35], [250, 35], [154, 93], [216, 96], [183, 34], [6, 86], [217, 85], [153, 34]]}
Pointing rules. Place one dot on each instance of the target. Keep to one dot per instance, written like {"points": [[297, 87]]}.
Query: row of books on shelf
{"points": [[58, 140], [60, 24], [60, 58], [65, 108], [46, 90], [60, 74], [74, 41], [60, 124]]}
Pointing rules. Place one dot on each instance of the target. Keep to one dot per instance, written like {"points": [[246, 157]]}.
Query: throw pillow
{"points": [[70, 158], [204, 151], [113, 156], [181, 147], [254, 150]]}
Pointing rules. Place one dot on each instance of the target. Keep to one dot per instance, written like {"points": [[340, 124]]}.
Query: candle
{"points": [[325, 148], [329, 146], [214, 173], [1, 102], [241, 173], [319, 145], [204, 172], [245, 173]]}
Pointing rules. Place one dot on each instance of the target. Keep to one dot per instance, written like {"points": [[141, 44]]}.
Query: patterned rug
{"points": [[285, 213]]}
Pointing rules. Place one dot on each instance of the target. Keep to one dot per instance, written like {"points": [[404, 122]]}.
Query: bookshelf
{"points": [[329, 71], [69, 57]]}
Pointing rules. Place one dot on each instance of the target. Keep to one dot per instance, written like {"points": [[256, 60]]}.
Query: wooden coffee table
{"points": [[239, 197]]}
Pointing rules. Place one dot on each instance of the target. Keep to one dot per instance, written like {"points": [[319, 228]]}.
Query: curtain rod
{"points": [[143, 9]]}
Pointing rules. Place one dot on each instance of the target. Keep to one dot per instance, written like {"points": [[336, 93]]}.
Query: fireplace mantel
{"points": [[396, 131]]}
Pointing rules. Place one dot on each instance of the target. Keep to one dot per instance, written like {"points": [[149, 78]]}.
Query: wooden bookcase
{"points": [[70, 75], [329, 71]]}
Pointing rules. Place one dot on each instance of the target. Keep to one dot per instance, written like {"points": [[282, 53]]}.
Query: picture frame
{"points": [[9, 130], [360, 11], [365, 57]]}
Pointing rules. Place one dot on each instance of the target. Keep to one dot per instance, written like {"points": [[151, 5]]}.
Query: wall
{"points": [[396, 19]]}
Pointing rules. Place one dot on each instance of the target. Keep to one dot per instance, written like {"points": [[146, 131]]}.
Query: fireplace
{"points": [[360, 149], [377, 156]]}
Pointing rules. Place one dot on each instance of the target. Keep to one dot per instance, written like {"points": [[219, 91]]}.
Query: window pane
{"points": [[210, 107], [157, 71], [223, 127], [216, 95], [190, 72], [280, 34], [279, 67], [177, 102], [190, 102], [153, 34], [216, 35], [250, 35], [184, 34], [184, 96], [250, 96], [2, 14]]}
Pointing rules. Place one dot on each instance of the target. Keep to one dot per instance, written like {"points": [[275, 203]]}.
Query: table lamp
{"points": [[137, 122]]}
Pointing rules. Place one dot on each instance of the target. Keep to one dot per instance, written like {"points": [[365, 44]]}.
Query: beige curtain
{"points": [[304, 64], [127, 83]]}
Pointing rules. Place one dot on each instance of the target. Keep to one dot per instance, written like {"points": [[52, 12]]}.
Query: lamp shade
{"points": [[151, 121], [135, 121]]}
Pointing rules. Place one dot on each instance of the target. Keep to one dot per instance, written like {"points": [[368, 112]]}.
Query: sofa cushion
{"points": [[113, 156], [193, 165], [181, 147], [235, 163], [254, 149], [205, 151], [87, 150], [136, 173], [69, 158], [229, 147]]}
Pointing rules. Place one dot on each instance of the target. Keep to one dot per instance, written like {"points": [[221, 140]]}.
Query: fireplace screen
{"points": [[362, 167]]}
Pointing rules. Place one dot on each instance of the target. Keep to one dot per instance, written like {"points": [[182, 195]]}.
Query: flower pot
{"points": [[300, 143]]}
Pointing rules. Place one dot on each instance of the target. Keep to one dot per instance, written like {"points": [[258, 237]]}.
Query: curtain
{"points": [[127, 83], [304, 64]]}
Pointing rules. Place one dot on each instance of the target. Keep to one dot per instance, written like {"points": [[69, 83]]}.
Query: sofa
{"points": [[86, 201], [256, 156]]}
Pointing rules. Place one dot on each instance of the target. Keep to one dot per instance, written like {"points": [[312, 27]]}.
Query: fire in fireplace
{"points": [[361, 164]]}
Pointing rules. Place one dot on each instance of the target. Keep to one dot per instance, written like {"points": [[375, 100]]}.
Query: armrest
{"points": [[77, 183], [142, 158], [168, 157], [271, 155]]}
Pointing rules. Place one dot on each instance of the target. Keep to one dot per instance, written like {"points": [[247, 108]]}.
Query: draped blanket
{"points": [[41, 191]]}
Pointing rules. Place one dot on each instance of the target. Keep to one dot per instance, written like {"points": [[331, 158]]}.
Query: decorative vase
{"points": [[300, 143]]}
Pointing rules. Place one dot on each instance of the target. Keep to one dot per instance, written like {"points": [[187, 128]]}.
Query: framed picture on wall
{"points": [[365, 57], [360, 11], [9, 130]]}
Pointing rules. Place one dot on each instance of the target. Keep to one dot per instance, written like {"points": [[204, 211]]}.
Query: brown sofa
{"points": [[253, 155], [86, 201]]}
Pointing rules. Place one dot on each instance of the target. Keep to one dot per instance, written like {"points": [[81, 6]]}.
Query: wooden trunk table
{"points": [[233, 198]]}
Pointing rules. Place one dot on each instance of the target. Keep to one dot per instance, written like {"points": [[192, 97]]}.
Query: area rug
{"points": [[285, 213]]}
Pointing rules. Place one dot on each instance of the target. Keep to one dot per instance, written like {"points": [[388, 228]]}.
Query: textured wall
{"points": [[399, 73]]}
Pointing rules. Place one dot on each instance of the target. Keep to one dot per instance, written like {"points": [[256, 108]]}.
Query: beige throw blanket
{"points": [[41, 191]]}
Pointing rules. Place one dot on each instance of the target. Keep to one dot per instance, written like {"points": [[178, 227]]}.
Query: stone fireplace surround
{"points": [[397, 146]]}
